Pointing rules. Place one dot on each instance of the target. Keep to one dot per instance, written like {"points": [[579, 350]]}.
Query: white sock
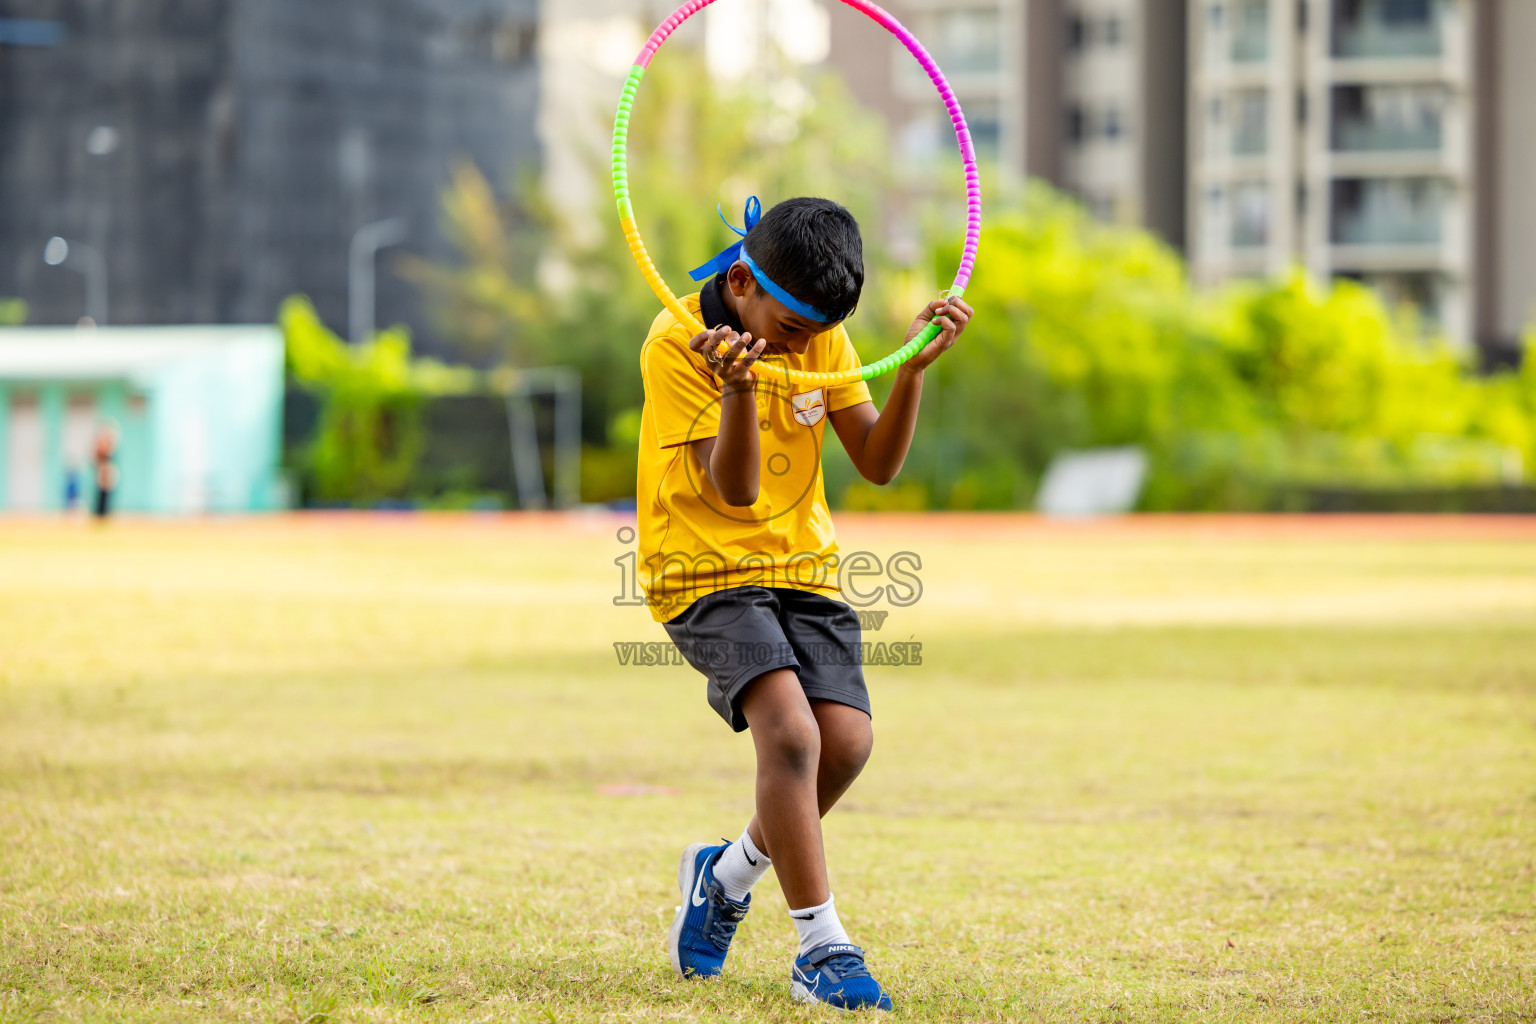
{"points": [[818, 926], [739, 867]]}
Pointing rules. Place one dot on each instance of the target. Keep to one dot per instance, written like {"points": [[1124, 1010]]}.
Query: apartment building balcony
{"points": [[1393, 224], [1362, 136], [1250, 142], [1247, 235], [1388, 29], [1250, 45], [1378, 227], [1363, 228], [1389, 118]]}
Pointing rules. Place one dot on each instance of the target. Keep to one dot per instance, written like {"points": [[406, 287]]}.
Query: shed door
{"points": [[24, 455]]}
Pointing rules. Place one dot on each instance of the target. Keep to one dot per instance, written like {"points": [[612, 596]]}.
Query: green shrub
{"points": [[369, 435]]}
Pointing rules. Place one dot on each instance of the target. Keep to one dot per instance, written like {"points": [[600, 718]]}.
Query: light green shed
{"points": [[198, 411]]}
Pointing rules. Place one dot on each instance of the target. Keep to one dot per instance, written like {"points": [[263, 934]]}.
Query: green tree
{"points": [[369, 435], [1087, 335], [13, 311]]}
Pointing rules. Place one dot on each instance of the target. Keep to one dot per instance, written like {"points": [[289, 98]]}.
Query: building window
{"points": [[1077, 125], [1077, 34], [1405, 12], [1113, 126], [1250, 215], [1113, 31], [965, 42], [986, 124], [923, 140], [512, 41], [1250, 36], [1250, 133]]}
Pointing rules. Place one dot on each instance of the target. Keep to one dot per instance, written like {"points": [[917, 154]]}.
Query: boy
{"points": [[738, 560]]}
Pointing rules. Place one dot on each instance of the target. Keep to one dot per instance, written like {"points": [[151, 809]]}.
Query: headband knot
{"points": [[738, 251]]}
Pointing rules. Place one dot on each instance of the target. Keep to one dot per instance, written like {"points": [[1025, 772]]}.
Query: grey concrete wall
{"points": [[257, 135], [357, 110], [151, 70], [1165, 149], [1042, 100]]}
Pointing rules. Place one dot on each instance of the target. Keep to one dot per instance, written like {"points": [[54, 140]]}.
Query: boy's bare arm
{"points": [[878, 442], [730, 459]]}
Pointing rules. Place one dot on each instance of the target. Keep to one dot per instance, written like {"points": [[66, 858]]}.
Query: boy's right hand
{"points": [[734, 367]]}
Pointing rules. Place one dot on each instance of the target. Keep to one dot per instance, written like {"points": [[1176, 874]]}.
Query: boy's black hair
{"points": [[812, 249]]}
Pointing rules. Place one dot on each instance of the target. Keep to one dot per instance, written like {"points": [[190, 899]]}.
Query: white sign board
{"points": [[1096, 482]]}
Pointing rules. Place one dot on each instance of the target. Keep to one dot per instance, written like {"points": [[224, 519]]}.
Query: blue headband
{"points": [[738, 251]]}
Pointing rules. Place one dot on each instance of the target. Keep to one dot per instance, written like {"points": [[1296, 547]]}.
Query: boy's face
{"points": [[766, 317]]}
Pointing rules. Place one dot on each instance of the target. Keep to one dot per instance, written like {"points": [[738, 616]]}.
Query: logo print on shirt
{"points": [[809, 407]]}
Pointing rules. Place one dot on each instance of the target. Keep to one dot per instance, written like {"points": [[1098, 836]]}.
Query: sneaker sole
{"points": [[685, 880]]}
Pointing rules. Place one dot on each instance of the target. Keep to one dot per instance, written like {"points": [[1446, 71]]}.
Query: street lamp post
{"points": [[366, 242], [91, 263]]}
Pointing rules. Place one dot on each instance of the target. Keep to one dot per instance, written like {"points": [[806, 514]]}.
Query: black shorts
{"points": [[733, 636]]}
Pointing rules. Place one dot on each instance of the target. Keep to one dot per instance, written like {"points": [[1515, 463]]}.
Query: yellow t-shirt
{"points": [[691, 542]]}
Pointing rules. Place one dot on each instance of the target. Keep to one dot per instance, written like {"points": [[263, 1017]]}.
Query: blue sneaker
{"points": [[836, 975], [706, 922]]}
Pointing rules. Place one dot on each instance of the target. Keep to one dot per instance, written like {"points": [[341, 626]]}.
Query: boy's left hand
{"points": [[951, 314]]}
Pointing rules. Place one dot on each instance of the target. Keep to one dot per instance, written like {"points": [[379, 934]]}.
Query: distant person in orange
{"points": [[106, 469]]}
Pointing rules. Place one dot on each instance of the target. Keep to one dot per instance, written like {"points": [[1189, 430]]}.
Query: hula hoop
{"points": [[654, 278]]}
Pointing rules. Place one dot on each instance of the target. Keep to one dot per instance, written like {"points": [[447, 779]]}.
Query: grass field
{"points": [[368, 769]]}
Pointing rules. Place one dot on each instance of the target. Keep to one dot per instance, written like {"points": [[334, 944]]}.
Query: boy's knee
{"points": [[848, 753], [794, 742]]}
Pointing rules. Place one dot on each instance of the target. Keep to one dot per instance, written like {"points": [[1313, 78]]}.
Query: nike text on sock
{"points": [[818, 926], [739, 867]]}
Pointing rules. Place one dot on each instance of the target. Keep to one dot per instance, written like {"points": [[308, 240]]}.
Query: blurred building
{"points": [[1123, 93], [586, 51], [1383, 140], [197, 412], [220, 155], [1086, 94]]}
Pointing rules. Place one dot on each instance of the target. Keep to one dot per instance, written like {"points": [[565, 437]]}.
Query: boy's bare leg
{"points": [[788, 824], [846, 742], [842, 743]]}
